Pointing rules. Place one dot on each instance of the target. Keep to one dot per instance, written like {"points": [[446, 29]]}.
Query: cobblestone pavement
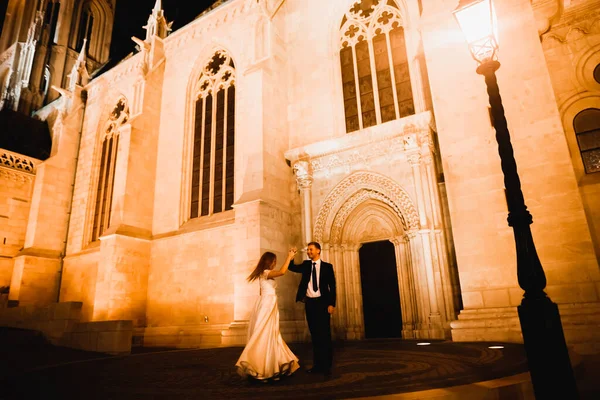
{"points": [[365, 368]]}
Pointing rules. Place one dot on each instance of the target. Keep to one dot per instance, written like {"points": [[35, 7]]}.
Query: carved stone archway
{"points": [[366, 199], [373, 185]]}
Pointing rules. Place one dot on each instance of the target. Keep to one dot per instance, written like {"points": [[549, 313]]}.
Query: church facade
{"points": [[267, 124]]}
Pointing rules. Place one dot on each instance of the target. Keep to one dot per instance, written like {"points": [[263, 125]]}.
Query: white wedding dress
{"points": [[266, 356]]}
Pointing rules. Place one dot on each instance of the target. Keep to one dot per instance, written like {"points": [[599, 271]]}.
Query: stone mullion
{"points": [[201, 174], [392, 74], [101, 183], [224, 155], [213, 144], [356, 83], [111, 169], [374, 81]]}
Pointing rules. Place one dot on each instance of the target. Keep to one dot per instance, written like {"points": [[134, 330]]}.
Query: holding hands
{"points": [[292, 253]]}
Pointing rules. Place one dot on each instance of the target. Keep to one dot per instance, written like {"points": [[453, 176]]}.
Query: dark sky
{"points": [[132, 15]]}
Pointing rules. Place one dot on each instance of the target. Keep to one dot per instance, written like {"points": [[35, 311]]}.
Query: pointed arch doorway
{"points": [[380, 292], [368, 207]]}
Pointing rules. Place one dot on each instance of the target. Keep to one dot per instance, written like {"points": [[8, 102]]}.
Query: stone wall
{"points": [[60, 324], [17, 174], [572, 50]]}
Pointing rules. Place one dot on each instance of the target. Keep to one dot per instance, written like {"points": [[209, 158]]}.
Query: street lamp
{"points": [[543, 336]]}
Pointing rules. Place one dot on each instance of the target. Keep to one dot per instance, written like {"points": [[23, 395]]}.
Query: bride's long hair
{"points": [[266, 262]]}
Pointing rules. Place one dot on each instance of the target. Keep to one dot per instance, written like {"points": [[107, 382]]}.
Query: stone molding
{"points": [[571, 28], [372, 184], [411, 134], [356, 200]]}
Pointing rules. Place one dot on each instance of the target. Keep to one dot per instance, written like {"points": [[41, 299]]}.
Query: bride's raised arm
{"points": [[281, 271]]}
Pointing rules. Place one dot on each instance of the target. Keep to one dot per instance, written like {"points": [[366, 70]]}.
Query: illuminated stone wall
{"points": [[16, 185]]}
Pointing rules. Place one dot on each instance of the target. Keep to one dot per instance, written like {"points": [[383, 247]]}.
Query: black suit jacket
{"points": [[326, 280]]}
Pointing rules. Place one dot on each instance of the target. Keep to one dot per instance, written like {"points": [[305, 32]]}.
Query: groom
{"points": [[317, 291]]}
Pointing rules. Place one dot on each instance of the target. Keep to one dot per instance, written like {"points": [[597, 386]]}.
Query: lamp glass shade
{"points": [[477, 20]]}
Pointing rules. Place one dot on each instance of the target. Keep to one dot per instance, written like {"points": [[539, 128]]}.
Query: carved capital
{"points": [[399, 240], [427, 158], [410, 235], [414, 158], [303, 174]]}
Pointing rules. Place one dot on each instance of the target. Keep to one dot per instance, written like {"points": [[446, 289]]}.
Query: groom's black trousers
{"points": [[320, 331]]}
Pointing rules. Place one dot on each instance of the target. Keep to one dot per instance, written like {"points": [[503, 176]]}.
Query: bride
{"points": [[266, 356]]}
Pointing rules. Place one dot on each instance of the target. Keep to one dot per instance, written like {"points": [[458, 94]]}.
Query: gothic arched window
{"points": [[587, 131], [84, 30], [108, 162], [51, 19], [214, 138], [375, 76]]}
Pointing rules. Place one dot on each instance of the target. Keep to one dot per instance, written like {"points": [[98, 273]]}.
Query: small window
{"points": [[86, 22], [587, 131]]}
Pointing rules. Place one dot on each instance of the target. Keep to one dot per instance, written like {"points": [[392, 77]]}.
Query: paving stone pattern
{"points": [[365, 368]]}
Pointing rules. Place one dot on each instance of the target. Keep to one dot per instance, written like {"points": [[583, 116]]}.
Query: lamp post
{"points": [[543, 336]]}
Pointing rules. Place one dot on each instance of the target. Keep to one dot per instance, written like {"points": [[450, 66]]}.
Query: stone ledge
{"points": [[580, 322], [59, 323], [186, 336]]}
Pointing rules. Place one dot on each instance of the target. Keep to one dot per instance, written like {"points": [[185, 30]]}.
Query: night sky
{"points": [[132, 15]]}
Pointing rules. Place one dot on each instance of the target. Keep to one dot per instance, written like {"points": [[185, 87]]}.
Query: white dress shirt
{"points": [[310, 292]]}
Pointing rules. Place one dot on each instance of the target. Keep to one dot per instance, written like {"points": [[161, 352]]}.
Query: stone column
{"points": [[424, 234], [419, 279], [340, 317], [304, 181], [356, 325], [405, 285], [442, 268]]}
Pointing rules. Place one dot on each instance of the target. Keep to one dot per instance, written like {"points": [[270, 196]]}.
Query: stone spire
{"points": [[79, 74], [157, 24]]}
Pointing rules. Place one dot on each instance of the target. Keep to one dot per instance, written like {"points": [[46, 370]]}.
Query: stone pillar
{"points": [[340, 318], [421, 289], [122, 278], [304, 181], [356, 325], [424, 234], [442, 266], [406, 286], [37, 270]]}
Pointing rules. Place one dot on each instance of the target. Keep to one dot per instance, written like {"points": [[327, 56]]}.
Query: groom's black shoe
{"points": [[314, 370]]}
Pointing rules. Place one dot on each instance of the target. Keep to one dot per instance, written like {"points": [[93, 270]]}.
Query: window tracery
{"points": [[374, 63], [214, 138], [108, 161]]}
